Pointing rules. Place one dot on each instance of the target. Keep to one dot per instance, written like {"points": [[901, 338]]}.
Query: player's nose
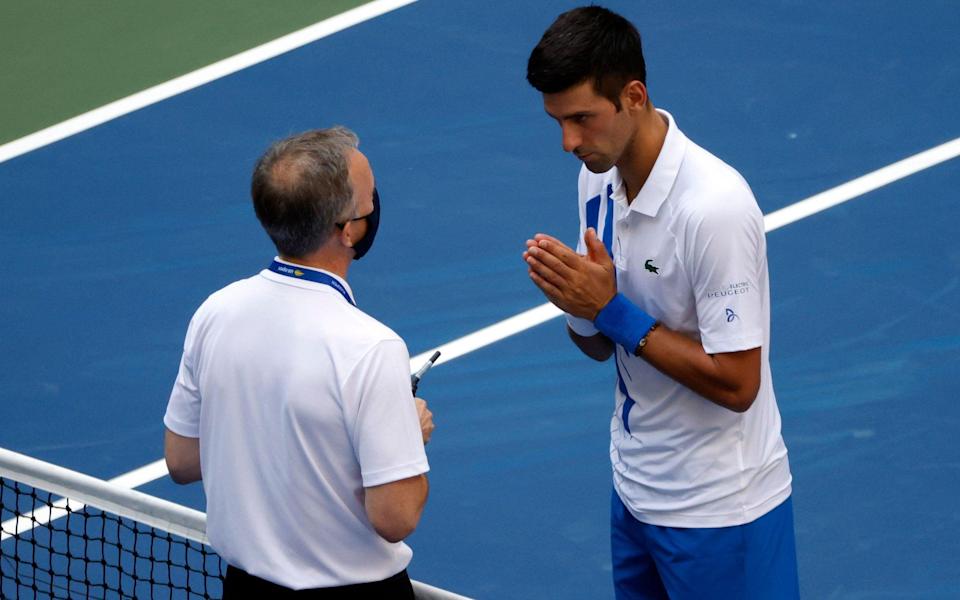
{"points": [[571, 139]]}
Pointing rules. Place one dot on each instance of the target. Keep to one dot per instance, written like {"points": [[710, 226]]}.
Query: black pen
{"points": [[415, 378]]}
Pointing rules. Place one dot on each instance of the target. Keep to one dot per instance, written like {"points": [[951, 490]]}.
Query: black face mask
{"points": [[373, 223]]}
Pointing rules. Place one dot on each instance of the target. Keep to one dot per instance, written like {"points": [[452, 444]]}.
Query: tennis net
{"points": [[69, 535]]}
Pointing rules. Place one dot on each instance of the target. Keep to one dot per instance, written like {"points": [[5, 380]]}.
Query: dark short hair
{"points": [[301, 188], [589, 42]]}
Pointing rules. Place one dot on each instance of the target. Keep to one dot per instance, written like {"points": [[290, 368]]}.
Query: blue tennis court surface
{"points": [[114, 236]]}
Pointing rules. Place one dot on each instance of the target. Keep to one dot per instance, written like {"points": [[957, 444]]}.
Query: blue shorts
{"points": [[755, 560]]}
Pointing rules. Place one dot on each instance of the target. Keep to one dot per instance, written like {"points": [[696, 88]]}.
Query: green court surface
{"points": [[61, 59]]}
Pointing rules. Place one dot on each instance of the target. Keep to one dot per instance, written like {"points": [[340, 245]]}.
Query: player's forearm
{"points": [[730, 380]]}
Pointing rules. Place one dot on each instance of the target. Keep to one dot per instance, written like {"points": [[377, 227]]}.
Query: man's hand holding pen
{"points": [[426, 417]]}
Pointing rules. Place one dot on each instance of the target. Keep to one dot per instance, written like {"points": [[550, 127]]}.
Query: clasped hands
{"points": [[578, 285]]}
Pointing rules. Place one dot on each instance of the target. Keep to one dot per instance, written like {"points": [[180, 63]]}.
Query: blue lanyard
{"points": [[311, 275]]}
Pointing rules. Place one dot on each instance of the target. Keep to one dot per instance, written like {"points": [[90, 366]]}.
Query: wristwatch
{"points": [[643, 341]]}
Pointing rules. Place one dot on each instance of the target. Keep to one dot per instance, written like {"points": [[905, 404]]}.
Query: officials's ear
{"points": [[346, 234]]}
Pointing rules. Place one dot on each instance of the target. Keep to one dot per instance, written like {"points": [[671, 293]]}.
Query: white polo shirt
{"points": [[300, 400], [690, 250]]}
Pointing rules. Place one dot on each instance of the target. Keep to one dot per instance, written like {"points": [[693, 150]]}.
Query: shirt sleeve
{"points": [[726, 249], [183, 407], [382, 418]]}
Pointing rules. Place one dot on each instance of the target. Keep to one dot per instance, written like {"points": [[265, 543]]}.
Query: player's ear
{"points": [[634, 95]]}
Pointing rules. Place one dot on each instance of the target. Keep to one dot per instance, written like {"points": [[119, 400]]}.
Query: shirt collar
{"points": [[303, 282], [663, 175]]}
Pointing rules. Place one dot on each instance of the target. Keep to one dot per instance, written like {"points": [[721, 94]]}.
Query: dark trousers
{"points": [[239, 584]]}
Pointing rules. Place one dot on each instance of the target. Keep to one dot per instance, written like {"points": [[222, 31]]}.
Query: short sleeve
{"points": [[581, 327], [381, 416], [183, 407], [725, 251]]}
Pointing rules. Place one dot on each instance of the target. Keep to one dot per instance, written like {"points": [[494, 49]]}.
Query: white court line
{"points": [[199, 77], [488, 335], [862, 185]]}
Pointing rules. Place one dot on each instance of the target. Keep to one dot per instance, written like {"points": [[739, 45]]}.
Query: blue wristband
{"points": [[624, 322]]}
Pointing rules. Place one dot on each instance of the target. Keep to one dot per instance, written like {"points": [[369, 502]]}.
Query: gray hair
{"points": [[301, 188]]}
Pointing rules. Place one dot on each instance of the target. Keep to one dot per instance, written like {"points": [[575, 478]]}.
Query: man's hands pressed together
{"points": [[583, 286], [578, 285]]}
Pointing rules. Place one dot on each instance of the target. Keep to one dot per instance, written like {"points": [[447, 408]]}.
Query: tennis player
{"points": [[669, 278], [294, 406]]}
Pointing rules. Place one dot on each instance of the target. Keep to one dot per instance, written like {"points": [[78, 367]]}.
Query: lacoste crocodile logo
{"points": [[650, 267]]}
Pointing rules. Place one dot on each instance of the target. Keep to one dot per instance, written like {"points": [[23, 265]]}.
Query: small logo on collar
{"points": [[651, 267]]}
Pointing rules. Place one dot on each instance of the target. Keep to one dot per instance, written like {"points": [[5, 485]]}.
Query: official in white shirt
{"points": [[294, 406]]}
